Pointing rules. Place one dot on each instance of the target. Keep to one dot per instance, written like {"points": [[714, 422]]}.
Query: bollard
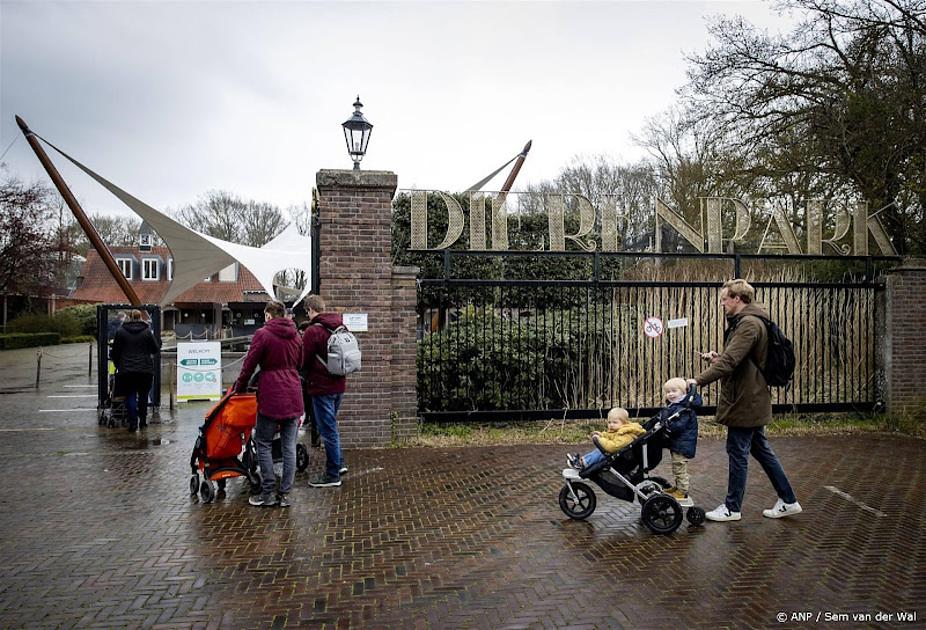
{"points": [[90, 359], [173, 384], [38, 367]]}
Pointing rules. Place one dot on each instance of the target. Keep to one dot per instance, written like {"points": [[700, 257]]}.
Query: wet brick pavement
{"points": [[98, 530]]}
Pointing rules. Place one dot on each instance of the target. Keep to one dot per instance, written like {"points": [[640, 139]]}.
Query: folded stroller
{"points": [[625, 475], [224, 448]]}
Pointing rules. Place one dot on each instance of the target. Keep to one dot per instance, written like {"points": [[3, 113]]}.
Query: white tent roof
{"points": [[197, 255]]}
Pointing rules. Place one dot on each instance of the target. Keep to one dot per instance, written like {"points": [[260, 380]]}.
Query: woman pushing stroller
{"points": [[277, 350]]}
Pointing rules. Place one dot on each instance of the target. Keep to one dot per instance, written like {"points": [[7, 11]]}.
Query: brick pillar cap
{"points": [[910, 263], [376, 180], [405, 270]]}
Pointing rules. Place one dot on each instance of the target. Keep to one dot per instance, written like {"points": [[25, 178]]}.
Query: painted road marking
{"points": [[75, 409], [29, 429], [76, 386], [848, 497], [73, 396]]}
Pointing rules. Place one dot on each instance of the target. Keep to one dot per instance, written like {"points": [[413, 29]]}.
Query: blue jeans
{"points": [[592, 457], [740, 443], [263, 437], [325, 408]]}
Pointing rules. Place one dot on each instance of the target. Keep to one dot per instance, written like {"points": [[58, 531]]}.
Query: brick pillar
{"points": [[904, 348], [357, 276]]}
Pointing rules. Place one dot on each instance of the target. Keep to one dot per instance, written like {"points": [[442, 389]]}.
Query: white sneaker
{"points": [[782, 509], [722, 513]]}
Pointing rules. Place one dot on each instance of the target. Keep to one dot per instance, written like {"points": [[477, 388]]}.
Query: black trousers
{"points": [[136, 386]]}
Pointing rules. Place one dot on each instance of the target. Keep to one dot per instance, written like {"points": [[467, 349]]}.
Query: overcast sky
{"points": [[171, 99]]}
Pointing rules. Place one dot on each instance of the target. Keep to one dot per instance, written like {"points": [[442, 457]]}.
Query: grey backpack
{"points": [[343, 352]]}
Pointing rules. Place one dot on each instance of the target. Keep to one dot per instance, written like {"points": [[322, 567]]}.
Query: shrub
{"points": [[85, 314], [478, 362], [28, 340], [65, 324], [78, 339]]}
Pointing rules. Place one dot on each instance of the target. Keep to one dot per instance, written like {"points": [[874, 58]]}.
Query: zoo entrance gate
{"points": [[508, 349]]}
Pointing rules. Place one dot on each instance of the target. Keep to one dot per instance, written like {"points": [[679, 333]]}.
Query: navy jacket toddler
{"points": [[682, 430]]}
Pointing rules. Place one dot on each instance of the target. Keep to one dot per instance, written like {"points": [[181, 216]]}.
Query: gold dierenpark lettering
{"points": [[778, 234]]}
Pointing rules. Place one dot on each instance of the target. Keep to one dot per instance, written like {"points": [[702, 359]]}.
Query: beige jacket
{"points": [[744, 399]]}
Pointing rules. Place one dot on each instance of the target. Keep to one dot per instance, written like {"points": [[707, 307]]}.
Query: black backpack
{"points": [[779, 362]]}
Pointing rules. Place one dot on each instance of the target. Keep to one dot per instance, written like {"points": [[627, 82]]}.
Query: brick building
{"points": [[231, 299]]}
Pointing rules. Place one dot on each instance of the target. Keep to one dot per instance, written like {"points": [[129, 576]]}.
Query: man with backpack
{"points": [[752, 359], [324, 388]]}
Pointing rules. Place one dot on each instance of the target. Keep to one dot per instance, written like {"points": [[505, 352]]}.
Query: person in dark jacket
{"points": [[325, 390], [745, 403], [277, 350], [135, 354], [681, 422]]}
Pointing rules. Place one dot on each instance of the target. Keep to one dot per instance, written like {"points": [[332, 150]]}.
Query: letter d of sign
{"points": [[419, 220]]}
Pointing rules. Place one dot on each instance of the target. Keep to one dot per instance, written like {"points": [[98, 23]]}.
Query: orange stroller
{"points": [[224, 448]]}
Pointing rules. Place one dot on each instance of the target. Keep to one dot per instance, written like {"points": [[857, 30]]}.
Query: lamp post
{"points": [[357, 130]]}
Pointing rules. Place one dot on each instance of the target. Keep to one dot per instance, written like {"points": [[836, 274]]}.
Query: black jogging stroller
{"points": [[625, 475]]}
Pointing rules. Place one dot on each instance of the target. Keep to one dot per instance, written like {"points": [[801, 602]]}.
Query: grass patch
{"points": [[578, 431]]}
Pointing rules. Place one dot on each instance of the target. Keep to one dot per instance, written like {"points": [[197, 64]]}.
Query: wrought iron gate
{"points": [[538, 347]]}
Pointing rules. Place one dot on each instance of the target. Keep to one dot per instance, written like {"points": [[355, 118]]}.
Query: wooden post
{"points": [[92, 235]]}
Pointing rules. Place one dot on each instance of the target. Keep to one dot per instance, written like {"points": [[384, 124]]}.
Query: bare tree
{"points": [[27, 241], [841, 95], [228, 217]]}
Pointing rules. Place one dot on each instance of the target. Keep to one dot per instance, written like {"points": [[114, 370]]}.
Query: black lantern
{"points": [[357, 132]]}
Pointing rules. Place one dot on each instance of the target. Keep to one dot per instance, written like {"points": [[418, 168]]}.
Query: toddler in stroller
{"points": [[624, 474]]}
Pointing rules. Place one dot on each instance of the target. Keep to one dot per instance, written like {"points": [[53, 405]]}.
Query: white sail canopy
{"points": [[198, 255]]}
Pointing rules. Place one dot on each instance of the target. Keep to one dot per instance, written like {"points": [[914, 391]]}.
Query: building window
{"points": [[150, 269], [125, 266], [229, 274], [170, 269]]}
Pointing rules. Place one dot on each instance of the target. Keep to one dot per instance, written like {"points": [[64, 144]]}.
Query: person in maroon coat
{"points": [[325, 390], [277, 349]]}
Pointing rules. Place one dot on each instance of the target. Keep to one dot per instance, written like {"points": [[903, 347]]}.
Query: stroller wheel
{"points": [[221, 484], [662, 482], [302, 457], [194, 485], [254, 482], [648, 487], [206, 491], [662, 514], [579, 506], [695, 516]]}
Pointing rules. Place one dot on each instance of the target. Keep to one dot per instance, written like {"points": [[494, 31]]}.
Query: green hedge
{"points": [[78, 339], [479, 362], [28, 340], [85, 314], [65, 324]]}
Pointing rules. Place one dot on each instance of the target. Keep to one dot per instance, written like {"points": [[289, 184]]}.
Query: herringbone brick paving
{"points": [[98, 531]]}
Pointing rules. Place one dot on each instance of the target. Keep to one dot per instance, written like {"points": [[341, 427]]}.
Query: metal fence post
{"points": [[38, 366], [90, 359], [173, 384]]}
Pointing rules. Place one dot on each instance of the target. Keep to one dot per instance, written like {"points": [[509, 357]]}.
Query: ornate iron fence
{"points": [[539, 347]]}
